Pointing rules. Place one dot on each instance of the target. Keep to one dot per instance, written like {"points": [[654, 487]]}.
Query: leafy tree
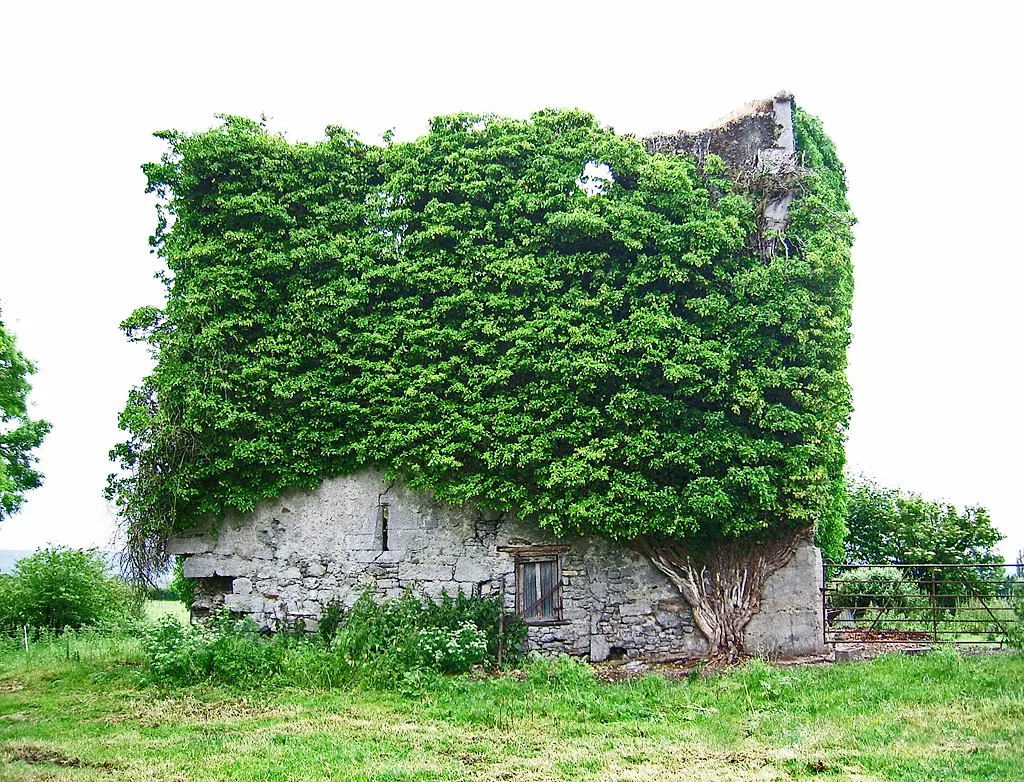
{"points": [[893, 526], [459, 310], [60, 587], [19, 434]]}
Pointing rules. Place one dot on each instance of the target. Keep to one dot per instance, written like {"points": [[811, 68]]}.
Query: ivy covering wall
{"points": [[459, 310]]}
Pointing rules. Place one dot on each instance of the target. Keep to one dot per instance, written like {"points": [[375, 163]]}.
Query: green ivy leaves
{"points": [[461, 310]]}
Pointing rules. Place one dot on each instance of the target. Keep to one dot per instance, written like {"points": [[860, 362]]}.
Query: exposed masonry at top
{"points": [[756, 142]]}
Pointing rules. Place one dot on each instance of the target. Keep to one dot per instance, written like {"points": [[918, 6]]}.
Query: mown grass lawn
{"points": [[85, 710]]}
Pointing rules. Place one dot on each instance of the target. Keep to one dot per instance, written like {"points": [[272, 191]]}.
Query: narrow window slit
{"points": [[384, 527]]}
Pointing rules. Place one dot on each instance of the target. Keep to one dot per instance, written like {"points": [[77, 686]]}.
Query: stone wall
{"points": [[292, 556], [790, 622], [738, 140]]}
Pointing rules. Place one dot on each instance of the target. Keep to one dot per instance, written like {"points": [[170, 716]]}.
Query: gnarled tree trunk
{"points": [[723, 581]]}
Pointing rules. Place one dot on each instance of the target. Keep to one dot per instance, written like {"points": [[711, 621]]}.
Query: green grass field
{"points": [[83, 709], [156, 609]]}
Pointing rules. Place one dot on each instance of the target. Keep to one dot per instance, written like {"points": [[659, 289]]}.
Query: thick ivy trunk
{"points": [[722, 582]]}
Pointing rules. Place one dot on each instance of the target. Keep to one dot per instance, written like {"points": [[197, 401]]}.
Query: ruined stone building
{"points": [[585, 596]]}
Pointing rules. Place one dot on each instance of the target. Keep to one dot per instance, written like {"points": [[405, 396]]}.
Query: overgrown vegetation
{"points": [[86, 710], [385, 644], [462, 311], [619, 360], [60, 587]]}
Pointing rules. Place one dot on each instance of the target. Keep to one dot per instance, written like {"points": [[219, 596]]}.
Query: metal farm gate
{"points": [[921, 605]]}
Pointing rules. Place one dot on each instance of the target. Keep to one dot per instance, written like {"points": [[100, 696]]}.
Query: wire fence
{"points": [[925, 604]]}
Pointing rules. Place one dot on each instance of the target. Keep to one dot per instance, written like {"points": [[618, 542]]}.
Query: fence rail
{"points": [[923, 604]]}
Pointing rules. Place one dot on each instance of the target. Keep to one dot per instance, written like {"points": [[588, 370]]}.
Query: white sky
{"points": [[921, 99]]}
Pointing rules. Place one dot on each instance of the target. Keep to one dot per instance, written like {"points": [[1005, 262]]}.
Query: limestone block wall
{"points": [[294, 555]]}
